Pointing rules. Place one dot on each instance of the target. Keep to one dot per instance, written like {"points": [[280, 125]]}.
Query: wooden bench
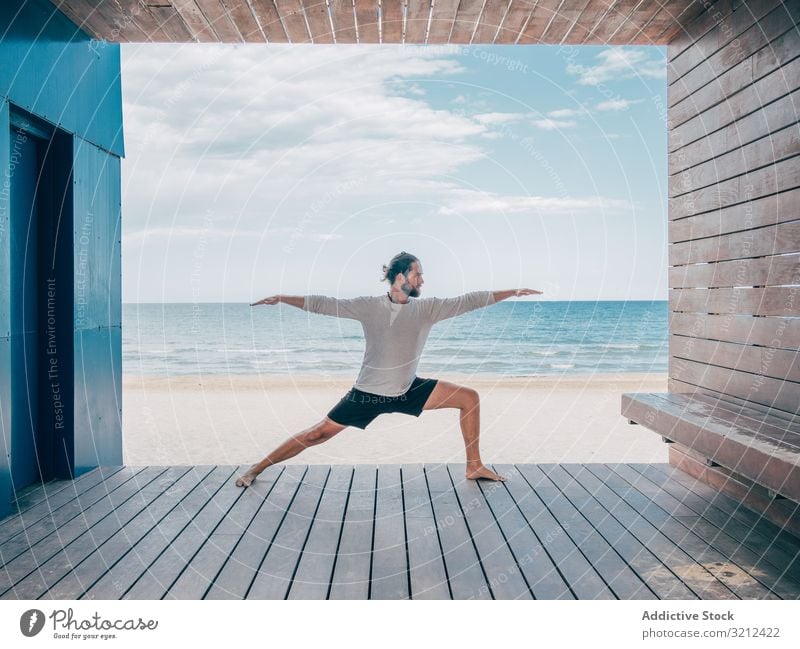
{"points": [[747, 450]]}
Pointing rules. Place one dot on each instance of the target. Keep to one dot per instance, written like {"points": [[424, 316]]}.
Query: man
{"points": [[396, 326]]}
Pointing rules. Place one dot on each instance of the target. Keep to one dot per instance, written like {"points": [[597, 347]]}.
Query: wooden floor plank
{"points": [[23, 530], [351, 572], [275, 574], [615, 572], [22, 554], [392, 532], [659, 579], [715, 524], [533, 493], [235, 576], [538, 569], [243, 526], [745, 529], [56, 554], [389, 579], [85, 573], [502, 571], [313, 575], [464, 572], [698, 578], [122, 575], [579, 575], [742, 585], [43, 493], [198, 577], [778, 537], [425, 564], [767, 575], [178, 555]]}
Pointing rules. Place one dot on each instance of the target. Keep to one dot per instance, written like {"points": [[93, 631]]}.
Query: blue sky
{"points": [[255, 170]]}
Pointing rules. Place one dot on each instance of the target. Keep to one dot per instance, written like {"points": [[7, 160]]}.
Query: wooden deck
{"points": [[564, 531]]}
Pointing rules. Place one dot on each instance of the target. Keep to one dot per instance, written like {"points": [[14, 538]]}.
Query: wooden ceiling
{"points": [[589, 22]]}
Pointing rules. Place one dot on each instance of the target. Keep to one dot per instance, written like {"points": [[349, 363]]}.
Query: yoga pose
{"points": [[396, 326]]}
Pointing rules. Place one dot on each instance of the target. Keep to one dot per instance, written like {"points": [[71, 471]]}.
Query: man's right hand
{"points": [[268, 300]]}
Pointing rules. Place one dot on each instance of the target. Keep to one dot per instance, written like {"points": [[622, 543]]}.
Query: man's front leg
{"points": [[470, 420]]}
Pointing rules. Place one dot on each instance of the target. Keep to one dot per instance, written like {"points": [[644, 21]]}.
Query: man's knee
{"points": [[321, 432], [471, 398]]}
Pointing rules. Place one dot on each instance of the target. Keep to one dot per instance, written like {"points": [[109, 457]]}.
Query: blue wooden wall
{"points": [[68, 87]]}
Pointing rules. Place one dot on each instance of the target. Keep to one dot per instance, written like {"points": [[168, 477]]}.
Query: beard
{"points": [[410, 291]]}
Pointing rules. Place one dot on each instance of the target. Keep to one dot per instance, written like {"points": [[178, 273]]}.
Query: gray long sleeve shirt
{"points": [[395, 333]]}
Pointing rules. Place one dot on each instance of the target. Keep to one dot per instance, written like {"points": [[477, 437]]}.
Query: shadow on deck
{"points": [[594, 531]]}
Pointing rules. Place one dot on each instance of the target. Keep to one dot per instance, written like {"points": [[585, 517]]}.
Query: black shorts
{"points": [[358, 408]]}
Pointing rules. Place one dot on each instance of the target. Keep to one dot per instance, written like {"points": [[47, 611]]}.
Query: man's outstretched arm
{"points": [[353, 308], [293, 300], [443, 308], [514, 292]]}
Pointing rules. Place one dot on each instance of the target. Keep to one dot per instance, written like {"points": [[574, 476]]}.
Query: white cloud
{"points": [[466, 201], [617, 104], [552, 124], [619, 63], [260, 134], [567, 112], [490, 119]]}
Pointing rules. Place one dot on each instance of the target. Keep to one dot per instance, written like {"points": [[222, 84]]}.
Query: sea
{"points": [[510, 338]]}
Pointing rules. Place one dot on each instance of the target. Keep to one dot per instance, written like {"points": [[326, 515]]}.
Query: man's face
{"points": [[413, 280]]}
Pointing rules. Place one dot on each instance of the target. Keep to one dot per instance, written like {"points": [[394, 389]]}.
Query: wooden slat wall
{"points": [[734, 203]]}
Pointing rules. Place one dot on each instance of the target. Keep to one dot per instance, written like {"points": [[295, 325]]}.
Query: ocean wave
{"points": [[561, 366], [267, 350]]}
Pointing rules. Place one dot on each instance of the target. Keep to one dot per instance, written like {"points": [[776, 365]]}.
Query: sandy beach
{"points": [[237, 419]]}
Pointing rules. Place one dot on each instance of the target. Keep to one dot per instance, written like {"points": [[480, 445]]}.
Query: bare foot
{"points": [[246, 479], [482, 472]]}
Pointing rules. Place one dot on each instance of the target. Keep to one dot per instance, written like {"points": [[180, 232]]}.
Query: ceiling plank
{"points": [[613, 20], [317, 16], [269, 20], [242, 16], [442, 19], [195, 21], [367, 18], [490, 21], [641, 16], [392, 21], [294, 20], [344, 22], [469, 12], [562, 24], [540, 18], [172, 24], [220, 21], [519, 11], [417, 15], [136, 13], [586, 22]]}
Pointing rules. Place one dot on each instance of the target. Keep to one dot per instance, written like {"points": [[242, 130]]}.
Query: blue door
{"points": [[24, 231]]}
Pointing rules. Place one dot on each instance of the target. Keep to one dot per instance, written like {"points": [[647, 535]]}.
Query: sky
{"points": [[301, 169]]}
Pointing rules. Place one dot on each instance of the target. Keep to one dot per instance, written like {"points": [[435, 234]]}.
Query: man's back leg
{"points": [[316, 434]]}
